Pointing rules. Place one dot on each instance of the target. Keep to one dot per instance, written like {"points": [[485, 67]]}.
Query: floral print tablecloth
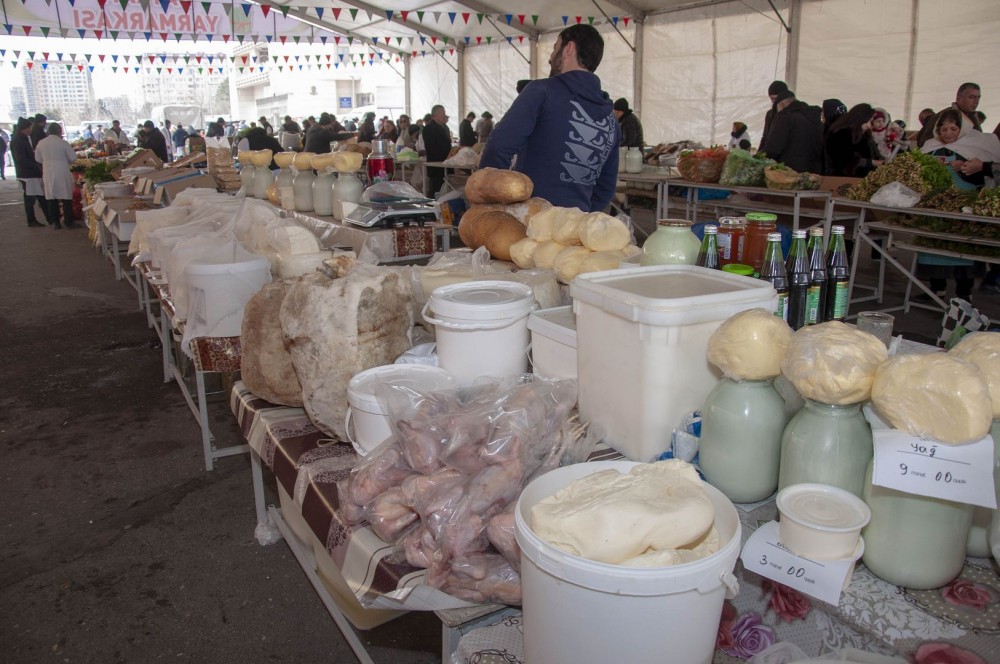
{"points": [[956, 624]]}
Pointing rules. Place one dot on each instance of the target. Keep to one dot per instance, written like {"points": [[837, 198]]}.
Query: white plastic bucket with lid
{"points": [[481, 328], [578, 610], [371, 422], [219, 292]]}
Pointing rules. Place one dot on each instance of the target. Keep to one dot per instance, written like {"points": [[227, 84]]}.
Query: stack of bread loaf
{"points": [[533, 234]]}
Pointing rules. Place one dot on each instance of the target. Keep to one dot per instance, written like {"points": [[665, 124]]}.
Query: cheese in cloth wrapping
{"points": [[611, 517]]}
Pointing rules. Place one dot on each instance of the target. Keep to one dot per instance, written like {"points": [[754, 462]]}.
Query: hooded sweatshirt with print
{"points": [[565, 138]]}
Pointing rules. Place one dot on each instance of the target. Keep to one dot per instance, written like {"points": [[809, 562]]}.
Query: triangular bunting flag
{"points": [[114, 70], [625, 20], [91, 68], [404, 14], [590, 20], [565, 19], [354, 13], [322, 38], [27, 30], [147, 35], [423, 40], [520, 39], [336, 13], [269, 38], [465, 17], [206, 7], [614, 20], [186, 6], [282, 38], [164, 5], [480, 17], [510, 40], [296, 39], [389, 13], [180, 70], [30, 64], [420, 16], [114, 34], [489, 40], [319, 12], [452, 16], [534, 19], [70, 67], [467, 40], [508, 18], [579, 20], [82, 32], [387, 39], [479, 40], [265, 9], [284, 10], [246, 7]]}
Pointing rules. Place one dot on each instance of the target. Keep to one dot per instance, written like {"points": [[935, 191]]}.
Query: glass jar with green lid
{"points": [[673, 243], [759, 224]]}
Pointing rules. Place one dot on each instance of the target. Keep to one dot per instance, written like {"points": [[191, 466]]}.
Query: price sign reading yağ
{"points": [[960, 473], [765, 556]]}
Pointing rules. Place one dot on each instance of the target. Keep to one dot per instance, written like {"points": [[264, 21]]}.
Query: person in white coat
{"points": [[55, 155]]}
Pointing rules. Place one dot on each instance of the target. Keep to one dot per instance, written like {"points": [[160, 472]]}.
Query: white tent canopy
{"points": [[690, 68]]}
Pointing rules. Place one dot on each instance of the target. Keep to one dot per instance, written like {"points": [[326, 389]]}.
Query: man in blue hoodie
{"points": [[561, 129]]}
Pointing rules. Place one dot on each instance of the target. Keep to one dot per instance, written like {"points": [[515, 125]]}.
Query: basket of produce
{"points": [[742, 169], [781, 177], [704, 165]]}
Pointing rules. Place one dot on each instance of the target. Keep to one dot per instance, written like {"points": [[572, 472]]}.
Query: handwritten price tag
{"points": [[960, 473], [765, 556]]}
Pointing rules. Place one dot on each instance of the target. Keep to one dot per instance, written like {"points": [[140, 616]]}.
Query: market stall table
{"points": [[796, 209], [447, 168], [307, 466], [660, 180], [883, 236], [386, 245]]}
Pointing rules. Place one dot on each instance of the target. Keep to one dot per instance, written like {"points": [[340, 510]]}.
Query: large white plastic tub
{"points": [[641, 340], [553, 343], [219, 292], [578, 610]]}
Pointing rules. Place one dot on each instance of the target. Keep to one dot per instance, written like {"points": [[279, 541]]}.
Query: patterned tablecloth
{"points": [[308, 466], [372, 244], [957, 624]]}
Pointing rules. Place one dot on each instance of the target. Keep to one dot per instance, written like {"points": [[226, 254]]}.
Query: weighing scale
{"points": [[390, 212]]}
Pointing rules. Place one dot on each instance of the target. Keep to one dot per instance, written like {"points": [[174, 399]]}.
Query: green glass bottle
{"points": [[838, 274], [816, 300], [773, 271], [708, 255], [797, 269]]}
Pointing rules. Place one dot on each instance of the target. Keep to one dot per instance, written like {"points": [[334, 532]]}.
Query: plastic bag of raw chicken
{"points": [[443, 488]]}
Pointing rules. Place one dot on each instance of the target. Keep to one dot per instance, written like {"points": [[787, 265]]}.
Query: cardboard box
{"points": [[148, 182], [123, 209], [144, 158], [165, 192], [189, 160]]}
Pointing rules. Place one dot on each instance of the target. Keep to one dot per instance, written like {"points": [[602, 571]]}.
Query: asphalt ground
{"points": [[115, 544]]}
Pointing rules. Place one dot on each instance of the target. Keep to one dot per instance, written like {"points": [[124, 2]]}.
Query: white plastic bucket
{"points": [[553, 343], [481, 328], [219, 292], [371, 423], [577, 610]]}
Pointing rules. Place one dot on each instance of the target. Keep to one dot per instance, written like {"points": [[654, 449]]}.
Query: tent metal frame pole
{"points": [[911, 70], [460, 57], [793, 29], [637, 59], [406, 83]]}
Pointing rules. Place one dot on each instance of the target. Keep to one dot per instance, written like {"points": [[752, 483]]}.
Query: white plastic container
{"points": [[642, 337], [218, 293], [820, 522], [577, 610], [553, 343], [371, 422], [481, 328]]}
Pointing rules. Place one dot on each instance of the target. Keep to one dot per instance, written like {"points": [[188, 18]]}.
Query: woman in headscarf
{"points": [[832, 109], [886, 134], [959, 146], [738, 135], [850, 151], [55, 155]]}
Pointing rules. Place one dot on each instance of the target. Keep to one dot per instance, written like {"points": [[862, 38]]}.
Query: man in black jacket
{"points": [[437, 144], [776, 88], [795, 137], [154, 140], [38, 132], [27, 170], [629, 123], [326, 131], [466, 132]]}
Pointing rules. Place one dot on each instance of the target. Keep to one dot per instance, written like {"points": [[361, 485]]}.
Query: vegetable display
{"points": [[744, 170], [920, 172], [704, 165]]}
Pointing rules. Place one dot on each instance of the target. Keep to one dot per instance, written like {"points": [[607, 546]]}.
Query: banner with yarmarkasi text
{"points": [[135, 19]]}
